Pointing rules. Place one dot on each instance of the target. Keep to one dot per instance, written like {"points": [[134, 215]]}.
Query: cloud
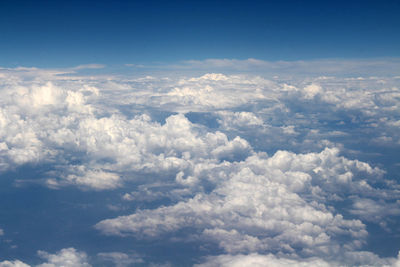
{"points": [[213, 91], [68, 257], [368, 259], [375, 210], [264, 204], [238, 120], [267, 168], [15, 263], [259, 260], [319, 67], [113, 146]]}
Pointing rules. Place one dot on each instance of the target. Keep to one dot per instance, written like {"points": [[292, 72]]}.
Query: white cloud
{"points": [[96, 179], [215, 91], [242, 120], [110, 131], [112, 145], [67, 257], [261, 261], [312, 90], [265, 204], [357, 259], [375, 210], [15, 263]]}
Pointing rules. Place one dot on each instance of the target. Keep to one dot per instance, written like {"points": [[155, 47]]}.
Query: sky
{"points": [[183, 133], [67, 33]]}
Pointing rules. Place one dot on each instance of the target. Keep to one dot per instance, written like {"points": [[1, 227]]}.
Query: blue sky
{"points": [[65, 33], [208, 133]]}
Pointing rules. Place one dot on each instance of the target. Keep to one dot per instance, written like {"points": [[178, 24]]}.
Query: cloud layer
{"points": [[267, 170]]}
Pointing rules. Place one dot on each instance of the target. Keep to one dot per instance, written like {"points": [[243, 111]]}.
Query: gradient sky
{"points": [[65, 33]]}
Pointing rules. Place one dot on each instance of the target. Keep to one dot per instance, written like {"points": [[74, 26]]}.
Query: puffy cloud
{"points": [[68, 257], [375, 210], [265, 204], [305, 200], [312, 90], [283, 114], [95, 179], [260, 260], [240, 120], [357, 259], [112, 147], [212, 91], [15, 263]]}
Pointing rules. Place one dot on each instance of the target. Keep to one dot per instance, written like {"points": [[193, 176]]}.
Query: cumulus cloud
{"points": [[367, 259], [111, 146], [258, 166], [212, 91], [375, 210], [265, 204], [242, 120], [15, 263], [67, 257], [259, 260]]}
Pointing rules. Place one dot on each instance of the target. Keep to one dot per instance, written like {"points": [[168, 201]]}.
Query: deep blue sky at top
{"points": [[66, 33]]}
